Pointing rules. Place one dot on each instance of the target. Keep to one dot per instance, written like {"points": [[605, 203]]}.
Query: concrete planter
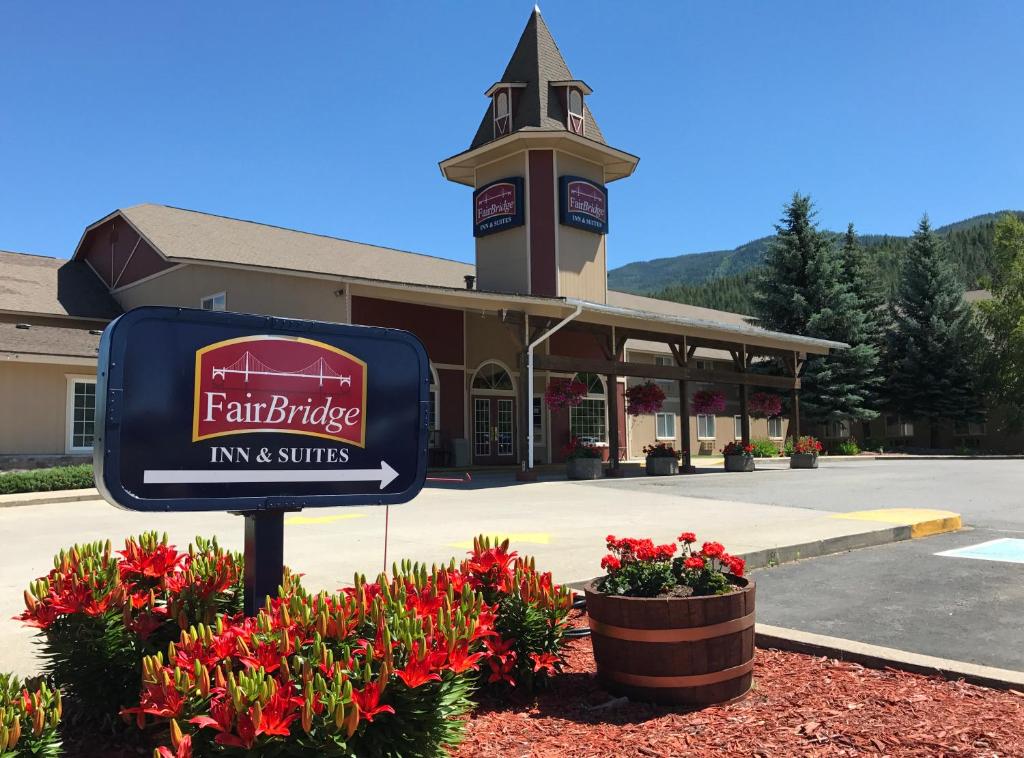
{"points": [[584, 468], [661, 465], [739, 463], [803, 460], [690, 651]]}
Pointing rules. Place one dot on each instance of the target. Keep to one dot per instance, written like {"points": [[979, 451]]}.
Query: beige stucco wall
{"points": [[246, 291], [501, 258], [582, 270], [33, 406], [488, 339]]}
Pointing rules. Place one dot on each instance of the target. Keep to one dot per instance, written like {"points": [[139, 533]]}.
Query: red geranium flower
{"points": [[688, 537]]}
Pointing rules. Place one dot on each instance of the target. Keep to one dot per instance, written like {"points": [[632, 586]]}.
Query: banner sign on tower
{"points": [[498, 206], [202, 410], [583, 204]]}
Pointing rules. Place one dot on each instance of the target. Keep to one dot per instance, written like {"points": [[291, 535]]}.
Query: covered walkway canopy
{"points": [[531, 320]]}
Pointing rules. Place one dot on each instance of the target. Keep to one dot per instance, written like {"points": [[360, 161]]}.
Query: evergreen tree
{"points": [[804, 290], [1003, 318], [860, 275], [933, 351]]}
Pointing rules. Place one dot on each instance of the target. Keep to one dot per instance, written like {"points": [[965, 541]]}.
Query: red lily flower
{"points": [[419, 670], [184, 749], [545, 662], [460, 659], [368, 701]]}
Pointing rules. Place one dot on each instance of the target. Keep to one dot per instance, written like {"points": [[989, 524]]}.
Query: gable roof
{"points": [[184, 236], [53, 287], [536, 62]]}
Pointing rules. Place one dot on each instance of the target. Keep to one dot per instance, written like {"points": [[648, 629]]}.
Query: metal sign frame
{"points": [[110, 395]]}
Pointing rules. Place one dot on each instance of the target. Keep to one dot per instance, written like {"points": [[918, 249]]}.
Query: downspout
{"points": [[529, 377]]}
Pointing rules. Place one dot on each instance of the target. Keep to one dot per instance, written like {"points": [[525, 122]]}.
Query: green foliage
{"points": [[728, 293], [805, 289], [47, 479], [846, 447], [788, 447], [703, 581], [764, 448], [1003, 319], [640, 579], [29, 717], [933, 353]]}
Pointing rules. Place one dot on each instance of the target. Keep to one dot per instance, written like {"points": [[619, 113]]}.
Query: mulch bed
{"points": [[800, 706]]}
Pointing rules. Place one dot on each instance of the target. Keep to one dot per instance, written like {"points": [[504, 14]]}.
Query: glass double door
{"points": [[494, 430]]}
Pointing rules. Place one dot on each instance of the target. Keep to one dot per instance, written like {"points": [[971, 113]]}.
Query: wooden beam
{"points": [[613, 422], [567, 364], [744, 410]]}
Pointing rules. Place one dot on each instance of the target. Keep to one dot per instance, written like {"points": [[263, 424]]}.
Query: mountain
{"points": [[724, 279]]}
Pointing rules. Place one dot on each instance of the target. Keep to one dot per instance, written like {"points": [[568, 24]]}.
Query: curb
{"points": [[817, 548], [48, 498], [878, 657]]}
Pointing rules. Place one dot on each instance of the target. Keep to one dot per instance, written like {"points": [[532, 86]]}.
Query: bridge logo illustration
{"points": [[279, 384]]}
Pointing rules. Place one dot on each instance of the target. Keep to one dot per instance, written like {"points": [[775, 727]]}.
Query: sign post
{"points": [[258, 415]]}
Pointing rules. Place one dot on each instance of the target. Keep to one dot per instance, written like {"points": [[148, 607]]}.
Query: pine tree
{"points": [[860, 275], [933, 350], [803, 290]]}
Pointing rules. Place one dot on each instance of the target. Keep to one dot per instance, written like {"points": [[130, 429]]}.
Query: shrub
{"points": [[101, 612], [764, 448], [639, 568], [47, 479], [28, 719], [847, 447]]}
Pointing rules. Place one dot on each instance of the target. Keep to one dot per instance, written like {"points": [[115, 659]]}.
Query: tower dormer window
{"points": [[575, 118], [502, 113]]}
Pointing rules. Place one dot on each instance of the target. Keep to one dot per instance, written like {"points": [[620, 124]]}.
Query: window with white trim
{"points": [[575, 121], [668, 386], [705, 365], [81, 414], [705, 426], [969, 428], [775, 428], [897, 426], [840, 430], [737, 427], [217, 302], [665, 426], [538, 419], [589, 420]]}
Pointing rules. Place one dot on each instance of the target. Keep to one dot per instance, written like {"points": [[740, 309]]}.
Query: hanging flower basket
{"points": [[708, 402], [644, 398], [765, 405], [564, 393]]}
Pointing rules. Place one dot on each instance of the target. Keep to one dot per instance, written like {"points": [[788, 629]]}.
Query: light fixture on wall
{"points": [[340, 292]]}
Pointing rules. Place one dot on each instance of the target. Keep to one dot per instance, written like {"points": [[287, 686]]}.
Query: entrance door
{"points": [[494, 430]]}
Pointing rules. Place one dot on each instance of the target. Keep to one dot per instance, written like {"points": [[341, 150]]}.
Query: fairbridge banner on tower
{"points": [[202, 410], [583, 204]]}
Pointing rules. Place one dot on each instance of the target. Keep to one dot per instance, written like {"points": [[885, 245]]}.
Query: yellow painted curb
{"points": [[923, 522]]}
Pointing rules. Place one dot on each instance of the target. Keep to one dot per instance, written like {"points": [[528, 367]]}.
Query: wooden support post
{"points": [[684, 422], [794, 422], [613, 424], [744, 392]]}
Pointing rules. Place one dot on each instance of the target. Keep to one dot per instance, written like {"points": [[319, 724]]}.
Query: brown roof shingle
{"points": [[52, 287], [74, 341]]}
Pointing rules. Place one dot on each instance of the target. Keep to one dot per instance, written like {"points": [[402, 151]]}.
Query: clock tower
{"points": [[539, 167]]}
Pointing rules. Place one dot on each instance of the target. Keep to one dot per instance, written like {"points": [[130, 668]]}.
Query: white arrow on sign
{"points": [[385, 475]]}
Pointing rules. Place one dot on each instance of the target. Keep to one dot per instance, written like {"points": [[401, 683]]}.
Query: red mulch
{"points": [[800, 706]]}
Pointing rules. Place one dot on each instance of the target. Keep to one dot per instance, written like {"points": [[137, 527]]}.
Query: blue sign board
{"points": [[583, 204], [205, 411], [498, 206]]}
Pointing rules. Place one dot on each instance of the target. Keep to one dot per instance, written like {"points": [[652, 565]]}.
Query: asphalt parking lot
{"points": [[904, 595]]}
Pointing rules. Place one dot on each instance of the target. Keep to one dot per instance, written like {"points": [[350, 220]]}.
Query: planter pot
{"points": [[584, 468], [803, 460], [739, 463], [661, 465], [674, 651]]}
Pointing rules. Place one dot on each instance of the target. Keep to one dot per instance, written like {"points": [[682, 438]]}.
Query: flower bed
{"points": [[801, 705], [379, 668]]}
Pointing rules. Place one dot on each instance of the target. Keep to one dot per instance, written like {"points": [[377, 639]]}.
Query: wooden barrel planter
{"points": [[690, 651]]}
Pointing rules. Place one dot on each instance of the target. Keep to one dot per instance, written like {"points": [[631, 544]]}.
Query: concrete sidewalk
{"points": [[563, 524]]}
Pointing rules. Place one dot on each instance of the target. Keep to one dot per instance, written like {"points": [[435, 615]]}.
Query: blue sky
{"points": [[331, 117]]}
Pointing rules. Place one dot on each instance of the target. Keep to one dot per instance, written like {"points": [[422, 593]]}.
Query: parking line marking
{"points": [[535, 538], [323, 519], [1004, 550]]}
